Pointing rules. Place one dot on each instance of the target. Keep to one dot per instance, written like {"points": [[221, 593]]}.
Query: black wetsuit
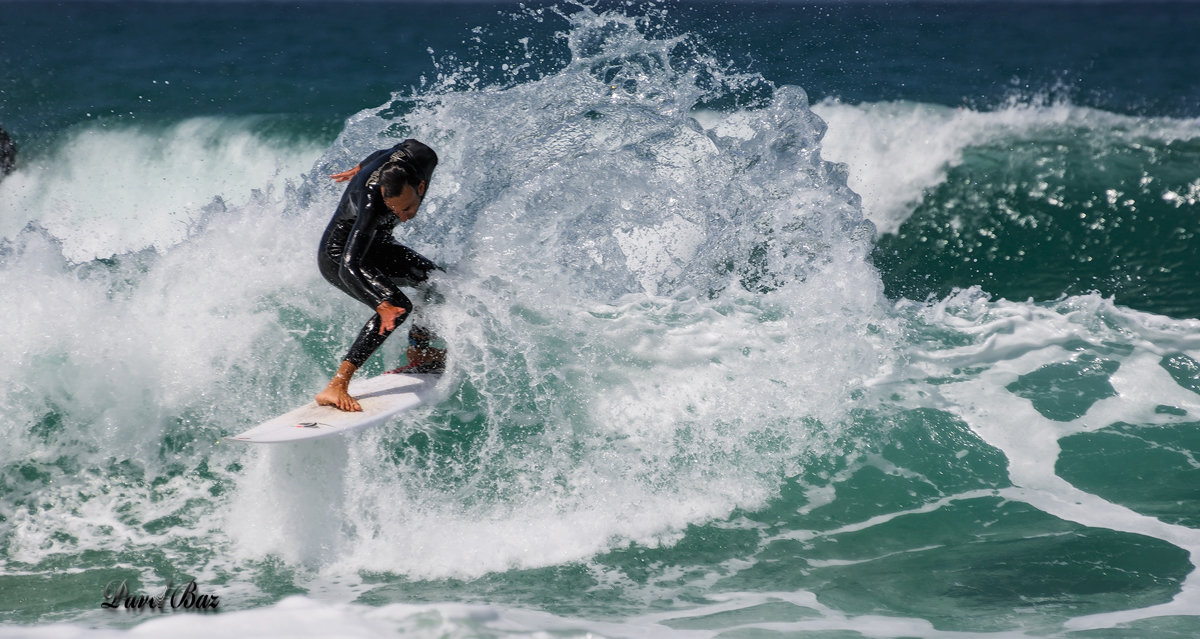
{"points": [[359, 256]]}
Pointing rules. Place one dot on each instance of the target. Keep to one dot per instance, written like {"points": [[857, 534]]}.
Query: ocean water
{"points": [[825, 320]]}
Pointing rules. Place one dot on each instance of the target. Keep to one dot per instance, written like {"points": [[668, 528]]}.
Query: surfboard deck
{"points": [[381, 397]]}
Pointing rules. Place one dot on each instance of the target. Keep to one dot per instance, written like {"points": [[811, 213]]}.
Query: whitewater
{"points": [[682, 397]]}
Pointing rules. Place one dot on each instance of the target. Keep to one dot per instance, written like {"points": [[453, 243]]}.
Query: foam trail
{"points": [[1012, 340], [305, 617]]}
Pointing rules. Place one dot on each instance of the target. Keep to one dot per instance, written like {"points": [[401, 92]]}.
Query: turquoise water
{"points": [[813, 320]]}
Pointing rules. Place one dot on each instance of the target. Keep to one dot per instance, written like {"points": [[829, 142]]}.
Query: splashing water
{"points": [[619, 276]]}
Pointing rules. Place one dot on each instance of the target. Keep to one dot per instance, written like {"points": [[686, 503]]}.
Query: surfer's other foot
{"points": [[338, 398]]}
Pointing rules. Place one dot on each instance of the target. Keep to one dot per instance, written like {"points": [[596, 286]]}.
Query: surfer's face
{"points": [[405, 205]]}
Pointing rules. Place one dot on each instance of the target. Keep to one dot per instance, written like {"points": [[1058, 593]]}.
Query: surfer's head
{"points": [[395, 174], [402, 188]]}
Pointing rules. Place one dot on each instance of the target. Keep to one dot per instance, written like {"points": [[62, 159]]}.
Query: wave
{"points": [[897, 152], [1029, 201]]}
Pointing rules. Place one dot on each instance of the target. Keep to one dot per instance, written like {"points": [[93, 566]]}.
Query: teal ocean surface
{"points": [[822, 320]]}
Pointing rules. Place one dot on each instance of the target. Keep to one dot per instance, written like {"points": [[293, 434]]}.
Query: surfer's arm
{"points": [[348, 174]]}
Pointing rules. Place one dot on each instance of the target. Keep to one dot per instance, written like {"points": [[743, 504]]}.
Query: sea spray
{"points": [[110, 189], [618, 276]]}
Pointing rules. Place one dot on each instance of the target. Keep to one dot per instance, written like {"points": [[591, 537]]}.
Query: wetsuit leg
{"points": [[368, 341], [400, 263]]}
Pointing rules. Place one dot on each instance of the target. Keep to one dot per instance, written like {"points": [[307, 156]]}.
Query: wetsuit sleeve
{"points": [[365, 282]]}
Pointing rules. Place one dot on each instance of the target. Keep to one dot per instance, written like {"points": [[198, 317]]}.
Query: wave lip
{"points": [[1029, 201]]}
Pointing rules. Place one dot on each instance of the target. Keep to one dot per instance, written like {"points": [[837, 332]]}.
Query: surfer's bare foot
{"points": [[338, 398], [337, 393]]}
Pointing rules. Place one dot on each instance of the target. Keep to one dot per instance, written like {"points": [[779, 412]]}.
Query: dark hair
{"points": [[394, 175]]}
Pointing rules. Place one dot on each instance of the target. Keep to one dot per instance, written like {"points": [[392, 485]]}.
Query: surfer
{"points": [[359, 256]]}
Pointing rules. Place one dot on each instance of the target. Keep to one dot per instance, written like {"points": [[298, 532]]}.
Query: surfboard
{"points": [[381, 397]]}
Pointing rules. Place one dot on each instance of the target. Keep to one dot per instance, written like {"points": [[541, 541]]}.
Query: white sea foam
{"points": [[106, 191], [106, 363], [300, 617], [1009, 339]]}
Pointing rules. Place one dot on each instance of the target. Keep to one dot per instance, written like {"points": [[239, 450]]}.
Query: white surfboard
{"points": [[381, 398]]}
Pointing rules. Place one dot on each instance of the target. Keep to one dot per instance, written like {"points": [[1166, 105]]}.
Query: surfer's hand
{"points": [[390, 315], [346, 175]]}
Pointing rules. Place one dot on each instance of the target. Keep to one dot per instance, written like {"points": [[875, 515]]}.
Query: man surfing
{"points": [[359, 256]]}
